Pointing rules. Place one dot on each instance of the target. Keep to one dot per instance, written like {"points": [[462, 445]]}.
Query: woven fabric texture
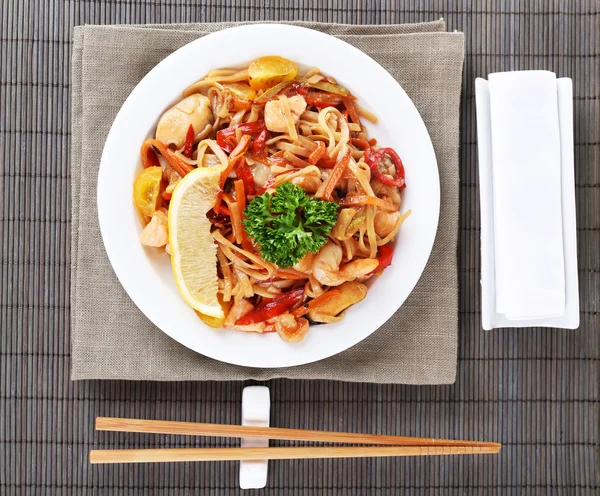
{"points": [[535, 390], [112, 339]]}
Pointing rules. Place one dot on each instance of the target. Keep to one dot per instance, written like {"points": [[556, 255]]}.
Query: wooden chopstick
{"points": [[220, 454], [239, 431]]}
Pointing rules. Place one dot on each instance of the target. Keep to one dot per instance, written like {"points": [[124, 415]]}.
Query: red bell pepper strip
{"points": [[189, 142], [299, 88], [149, 156], [386, 253], [237, 155], [258, 147], [179, 165], [361, 144], [352, 113], [272, 308], [326, 163], [246, 128], [373, 158], [320, 99], [245, 174]]}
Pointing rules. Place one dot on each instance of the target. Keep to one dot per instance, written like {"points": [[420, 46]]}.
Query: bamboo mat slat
{"points": [[536, 391]]}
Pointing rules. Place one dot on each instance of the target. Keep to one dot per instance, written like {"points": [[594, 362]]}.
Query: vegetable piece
{"points": [[356, 200], [352, 113], [386, 253], [146, 190], [336, 174], [330, 88], [272, 308], [237, 154], [258, 147], [241, 91], [216, 322], [269, 71], [250, 128], [149, 156], [361, 144], [326, 163], [189, 142], [288, 225], [374, 158], [322, 100], [318, 153], [240, 194], [179, 165], [316, 302], [245, 174]]}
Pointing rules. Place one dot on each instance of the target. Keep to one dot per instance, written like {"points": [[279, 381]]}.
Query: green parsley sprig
{"points": [[289, 224]]}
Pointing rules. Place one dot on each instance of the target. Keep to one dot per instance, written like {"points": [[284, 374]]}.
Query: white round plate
{"points": [[146, 274]]}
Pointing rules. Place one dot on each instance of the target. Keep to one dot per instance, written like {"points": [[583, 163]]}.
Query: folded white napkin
{"points": [[525, 142]]}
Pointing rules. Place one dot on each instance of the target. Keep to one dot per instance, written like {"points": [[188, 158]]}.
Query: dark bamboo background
{"points": [[534, 390]]}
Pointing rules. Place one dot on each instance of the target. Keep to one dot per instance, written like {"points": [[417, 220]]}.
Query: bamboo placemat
{"points": [[536, 390]]}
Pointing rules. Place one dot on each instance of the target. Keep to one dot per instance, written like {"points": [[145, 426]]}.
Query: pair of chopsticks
{"points": [[384, 445]]}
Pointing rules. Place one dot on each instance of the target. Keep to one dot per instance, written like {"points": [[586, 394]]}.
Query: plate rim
{"points": [[214, 36]]}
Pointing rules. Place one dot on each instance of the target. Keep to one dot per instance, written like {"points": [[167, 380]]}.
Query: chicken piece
{"points": [[156, 232], [173, 126], [275, 118]]}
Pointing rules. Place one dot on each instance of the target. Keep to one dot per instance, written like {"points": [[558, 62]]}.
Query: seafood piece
{"points": [[275, 117], [351, 292], [239, 308], [291, 329], [327, 269], [386, 222], [173, 126], [156, 232]]}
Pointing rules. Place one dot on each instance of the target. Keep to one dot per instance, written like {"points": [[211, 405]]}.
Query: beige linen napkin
{"points": [[111, 338]]}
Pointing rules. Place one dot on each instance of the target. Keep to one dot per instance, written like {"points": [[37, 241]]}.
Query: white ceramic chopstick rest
{"points": [[527, 193], [256, 407]]}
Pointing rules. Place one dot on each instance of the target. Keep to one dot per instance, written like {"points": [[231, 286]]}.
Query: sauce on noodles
{"points": [[264, 126]]}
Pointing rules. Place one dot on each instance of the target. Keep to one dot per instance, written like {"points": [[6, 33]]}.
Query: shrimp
{"points": [[390, 193], [305, 264], [386, 222], [327, 269], [239, 308], [308, 182], [291, 329], [156, 232]]}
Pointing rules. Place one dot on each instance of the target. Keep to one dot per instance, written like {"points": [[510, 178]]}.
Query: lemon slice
{"points": [[193, 250]]}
